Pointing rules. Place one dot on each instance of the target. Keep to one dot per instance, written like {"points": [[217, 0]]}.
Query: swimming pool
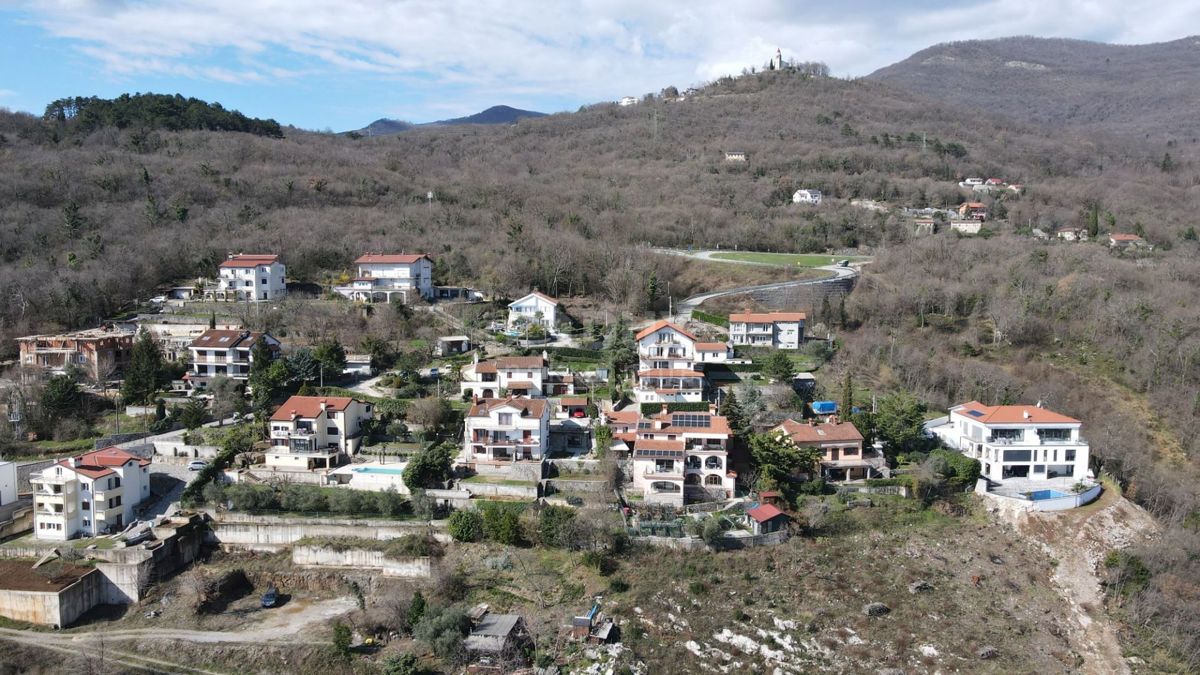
{"points": [[398, 471], [1038, 495]]}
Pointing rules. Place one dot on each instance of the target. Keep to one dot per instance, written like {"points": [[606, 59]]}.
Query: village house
{"points": [[388, 278], [843, 457], [807, 197], [533, 309], [677, 456], [779, 330], [1072, 234], [95, 493], [449, 345], [667, 365], [245, 277], [1127, 242], [175, 334], [316, 432], [735, 156], [501, 432], [973, 210], [1018, 442], [923, 227], [713, 352], [514, 376], [227, 353], [627, 101], [97, 352], [970, 182], [966, 226]]}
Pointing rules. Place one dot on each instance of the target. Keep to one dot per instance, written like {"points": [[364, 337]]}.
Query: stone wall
{"points": [[530, 471], [117, 439], [529, 492], [572, 485], [176, 448], [357, 558]]}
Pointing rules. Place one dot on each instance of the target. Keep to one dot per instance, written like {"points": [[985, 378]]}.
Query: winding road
{"points": [[684, 309]]}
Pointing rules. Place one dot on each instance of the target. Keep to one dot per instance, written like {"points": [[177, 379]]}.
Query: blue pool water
{"points": [[398, 471], [1038, 495]]}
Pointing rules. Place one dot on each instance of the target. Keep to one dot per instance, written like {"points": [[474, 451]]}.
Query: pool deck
{"points": [[1018, 489]]}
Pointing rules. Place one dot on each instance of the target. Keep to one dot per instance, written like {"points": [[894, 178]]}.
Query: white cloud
{"points": [[589, 50]]}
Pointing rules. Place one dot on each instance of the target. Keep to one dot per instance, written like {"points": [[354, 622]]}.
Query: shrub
{"points": [[697, 588], [617, 585], [414, 546], [302, 498], [466, 525], [554, 526], [501, 523], [443, 631], [401, 664], [342, 637], [709, 317]]}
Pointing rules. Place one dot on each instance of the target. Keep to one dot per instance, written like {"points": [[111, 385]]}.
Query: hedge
{"points": [[708, 317], [573, 353], [680, 406]]}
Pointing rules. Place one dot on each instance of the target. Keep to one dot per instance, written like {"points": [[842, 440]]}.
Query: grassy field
{"points": [[784, 259]]}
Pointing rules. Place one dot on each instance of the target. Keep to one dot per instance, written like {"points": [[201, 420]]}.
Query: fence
{"points": [[900, 490]]}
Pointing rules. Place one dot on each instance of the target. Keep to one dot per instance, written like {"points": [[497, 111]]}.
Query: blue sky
{"points": [[340, 65]]}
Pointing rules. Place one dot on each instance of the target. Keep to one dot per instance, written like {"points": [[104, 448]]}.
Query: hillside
{"points": [[497, 114], [1130, 89], [568, 203]]}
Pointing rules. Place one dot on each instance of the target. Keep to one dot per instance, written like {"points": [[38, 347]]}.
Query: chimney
{"points": [[1027, 415], [1039, 403]]}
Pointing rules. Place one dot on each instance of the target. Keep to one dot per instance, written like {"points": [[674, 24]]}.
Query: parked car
{"points": [[271, 597], [197, 465]]}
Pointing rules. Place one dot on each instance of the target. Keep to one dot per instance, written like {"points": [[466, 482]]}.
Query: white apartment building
{"points": [[501, 432], [667, 365], [245, 277], [391, 277], [92, 494], [226, 353], [780, 330], [813, 197], [677, 456], [505, 376], [533, 309], [8, 483], [316, 432], [1018, 442]]}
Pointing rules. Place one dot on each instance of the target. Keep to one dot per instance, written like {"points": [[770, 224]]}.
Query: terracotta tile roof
{"points": [[1124, 237], [973, 205], [535, 294], [764, 512], [1011, 414], [711, 346], [656, 444], [659, 325], [249, 260], [308, 407], [573, 400], [520, 384], [766, 317], [624, 416], [225, 339], [518, 362], [390, 259], [825, 432], [111, 456], [668, 372], [484, 367], [536, 407]]}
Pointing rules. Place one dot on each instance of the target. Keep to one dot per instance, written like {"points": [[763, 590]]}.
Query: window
{"points": [[1070, 455], [504, 418], [1039, 468], [87, 523], [1017, 456], [332, 431], [86, 506]]}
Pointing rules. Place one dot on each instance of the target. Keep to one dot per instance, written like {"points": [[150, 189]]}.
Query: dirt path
{"points": [[281, 626], [1079, 540]]}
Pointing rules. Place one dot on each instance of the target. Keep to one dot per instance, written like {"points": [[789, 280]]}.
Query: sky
{"points": [[340, 65]]}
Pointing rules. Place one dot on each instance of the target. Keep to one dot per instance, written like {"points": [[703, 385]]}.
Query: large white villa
{"points": [[1024, 451]]}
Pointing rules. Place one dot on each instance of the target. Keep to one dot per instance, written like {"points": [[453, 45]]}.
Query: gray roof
{"points": [[496, 624]]}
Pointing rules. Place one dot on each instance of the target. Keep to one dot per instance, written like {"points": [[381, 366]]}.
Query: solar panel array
{"points": [[975, 413], [693, 421], [668, 454]]}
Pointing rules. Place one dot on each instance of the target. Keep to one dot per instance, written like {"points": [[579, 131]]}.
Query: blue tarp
{"points": [[824, 407]]}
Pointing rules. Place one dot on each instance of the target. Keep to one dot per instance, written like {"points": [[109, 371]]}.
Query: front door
{"points": [[835, 453]]}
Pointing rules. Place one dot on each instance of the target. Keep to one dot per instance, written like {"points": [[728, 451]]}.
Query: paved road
{"points": [[684, 309], [709, 256]]}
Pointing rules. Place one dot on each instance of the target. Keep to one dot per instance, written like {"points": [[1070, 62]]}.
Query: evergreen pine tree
{"points": [[731, 409], [212, 320], [144, 373], [847, 403]]}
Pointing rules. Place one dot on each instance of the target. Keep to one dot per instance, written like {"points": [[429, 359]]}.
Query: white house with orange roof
{"points": [[498, 433], [225, 353], [533, 309], [316, 432], [667, 369], [246, 277], [780, 330], [95, 493], [677, 456], [506, 376], [1018, 442], [388, 277], [713, 352]]}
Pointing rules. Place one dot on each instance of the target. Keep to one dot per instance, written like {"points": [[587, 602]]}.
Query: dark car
{"points": [[271, 597]]}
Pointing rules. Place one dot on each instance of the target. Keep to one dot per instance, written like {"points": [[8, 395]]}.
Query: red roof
{"points": [[656, 444], [764, 512], [767, 317], [573, 400], [100, 463], [825, 432], [390, 259], [1012, 414], [1124, 237], [535, 407], [659, 325], [249, 260], [711, 346], [536, 294], [309, 407]]}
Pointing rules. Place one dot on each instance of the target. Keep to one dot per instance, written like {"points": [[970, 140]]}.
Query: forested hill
{"points": [[1138, 90], [85, 114], [497, 114]]}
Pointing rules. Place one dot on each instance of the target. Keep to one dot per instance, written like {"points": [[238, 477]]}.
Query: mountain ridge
{"points": [[497, 114]]}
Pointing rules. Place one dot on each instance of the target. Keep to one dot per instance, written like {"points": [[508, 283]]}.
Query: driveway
{"points": [[684, 309]]}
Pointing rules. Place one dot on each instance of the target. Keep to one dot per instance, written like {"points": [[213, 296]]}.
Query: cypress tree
{"points": [[144, 373]]}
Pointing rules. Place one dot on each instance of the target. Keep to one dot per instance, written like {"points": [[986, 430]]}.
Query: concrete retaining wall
{"points": [[901, 490], [572, 485], [57, 609], [530, 471], [320, 556], [726, 543], [117, 439], [575, 465], [274, 533], [176, 448], [530, 492]]}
